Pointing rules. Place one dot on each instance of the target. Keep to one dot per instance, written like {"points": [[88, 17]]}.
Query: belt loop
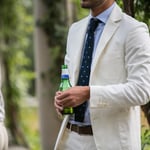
{"points": [[78, 129], [70, 127]]}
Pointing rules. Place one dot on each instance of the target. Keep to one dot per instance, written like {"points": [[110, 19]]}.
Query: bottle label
{"points": [[65, 71], [65, 76]]}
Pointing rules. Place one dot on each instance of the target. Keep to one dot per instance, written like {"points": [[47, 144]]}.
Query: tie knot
{"points": [[93, 24]]}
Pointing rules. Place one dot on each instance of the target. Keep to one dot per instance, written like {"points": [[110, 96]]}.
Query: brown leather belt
{"points": [[87, 130]]}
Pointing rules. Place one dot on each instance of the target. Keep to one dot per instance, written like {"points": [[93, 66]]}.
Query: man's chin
{"points": [[85, 4]]}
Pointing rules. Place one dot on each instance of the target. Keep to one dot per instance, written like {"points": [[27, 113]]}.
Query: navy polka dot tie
{"points": [[85, 68]]}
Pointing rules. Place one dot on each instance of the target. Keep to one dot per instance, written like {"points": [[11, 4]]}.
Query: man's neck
{"points": [[99, 9]]}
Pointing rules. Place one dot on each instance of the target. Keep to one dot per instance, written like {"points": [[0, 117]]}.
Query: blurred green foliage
{"points": [[16, 27], [30, 125], [142, 11], [145, 138]]}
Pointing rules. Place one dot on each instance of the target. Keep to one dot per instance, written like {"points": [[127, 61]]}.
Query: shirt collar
{"points": [[105, 14]]}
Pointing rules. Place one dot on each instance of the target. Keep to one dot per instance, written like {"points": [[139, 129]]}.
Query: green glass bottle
{"points": [[64, 85]]}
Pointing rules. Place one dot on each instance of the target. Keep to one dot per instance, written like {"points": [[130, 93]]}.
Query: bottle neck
{"points": [[65, 74]]}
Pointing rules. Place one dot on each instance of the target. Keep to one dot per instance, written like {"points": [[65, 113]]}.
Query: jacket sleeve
{"points": [[136, 89]]}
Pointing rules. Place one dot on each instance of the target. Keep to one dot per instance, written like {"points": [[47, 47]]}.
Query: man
{"points": [[3, 132], [119, 80]]}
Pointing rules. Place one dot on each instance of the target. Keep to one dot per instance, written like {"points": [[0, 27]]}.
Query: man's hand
{"points": [[72, 97]]}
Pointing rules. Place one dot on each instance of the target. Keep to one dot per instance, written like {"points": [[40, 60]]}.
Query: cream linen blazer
{"points": [[119, 81]]}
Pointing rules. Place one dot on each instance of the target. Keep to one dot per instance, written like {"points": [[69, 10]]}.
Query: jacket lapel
{"points": [[109, 29], [78, 46]]}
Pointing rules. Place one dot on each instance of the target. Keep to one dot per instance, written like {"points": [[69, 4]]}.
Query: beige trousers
{"points": [[3, 137], [74, 141]]}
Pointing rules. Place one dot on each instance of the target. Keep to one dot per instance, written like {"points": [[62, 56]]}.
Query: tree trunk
{"points": [[49, 123], [129, 7], [146, 110], [71, 12]]}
